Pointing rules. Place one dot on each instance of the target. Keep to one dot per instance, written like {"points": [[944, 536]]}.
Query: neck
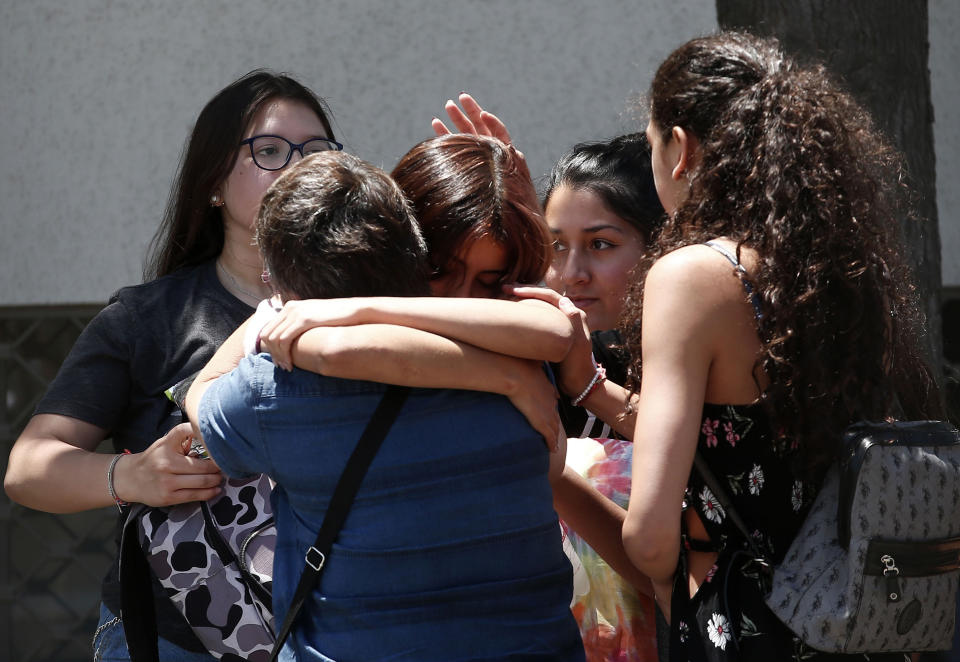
{"points": [[239, 268]]}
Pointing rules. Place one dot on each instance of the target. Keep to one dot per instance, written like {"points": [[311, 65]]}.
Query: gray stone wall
{"points": [[97, 98]]}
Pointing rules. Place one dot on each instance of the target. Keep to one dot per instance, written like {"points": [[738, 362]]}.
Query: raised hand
{"points": [[472, 119]]}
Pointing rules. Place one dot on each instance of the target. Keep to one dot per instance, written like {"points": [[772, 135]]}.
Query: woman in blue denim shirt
{"points": [[451, 550]]}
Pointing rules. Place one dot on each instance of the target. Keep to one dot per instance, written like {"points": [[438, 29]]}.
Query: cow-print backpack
{"points": [[214, 559]]}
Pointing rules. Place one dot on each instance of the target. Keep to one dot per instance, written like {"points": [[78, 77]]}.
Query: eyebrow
{"points": [[593, 229]]}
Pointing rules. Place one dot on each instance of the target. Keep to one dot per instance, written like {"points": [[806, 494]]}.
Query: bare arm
{"points": [[528, 329], [53, 468], [599, 521], [682, 344], [609, 401], [224, 360]]}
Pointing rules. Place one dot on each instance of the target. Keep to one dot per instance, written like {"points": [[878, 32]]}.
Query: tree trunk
{"points": [[878, 50]]}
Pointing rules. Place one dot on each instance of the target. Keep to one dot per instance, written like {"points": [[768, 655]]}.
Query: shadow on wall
{"points": [[951, 353]]}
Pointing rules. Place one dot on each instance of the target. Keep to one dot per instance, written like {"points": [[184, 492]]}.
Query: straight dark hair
{"points": [[192, 230], [618, 171]]}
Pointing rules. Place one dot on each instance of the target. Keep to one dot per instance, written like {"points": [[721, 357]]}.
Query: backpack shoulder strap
{"points": [[137, 611], [711, 481]]}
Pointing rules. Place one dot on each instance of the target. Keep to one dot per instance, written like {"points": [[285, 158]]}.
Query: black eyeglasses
{"points": [[274, 152]]}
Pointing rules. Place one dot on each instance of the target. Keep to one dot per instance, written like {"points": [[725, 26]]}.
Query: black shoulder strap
{"points": [[343, 495], [711, 481], [137, 610]]}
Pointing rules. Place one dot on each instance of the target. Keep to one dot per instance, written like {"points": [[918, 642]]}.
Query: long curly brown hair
{"points": [[792, 167]]}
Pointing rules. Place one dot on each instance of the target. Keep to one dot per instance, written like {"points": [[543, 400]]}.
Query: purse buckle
{"points": [[315, 558]]}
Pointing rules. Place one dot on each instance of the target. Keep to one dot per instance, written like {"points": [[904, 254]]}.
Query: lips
{"points": [[582, 302]]}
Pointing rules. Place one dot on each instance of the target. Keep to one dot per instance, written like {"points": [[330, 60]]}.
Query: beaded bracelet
{"points": [[598, 378], [113, 463]]}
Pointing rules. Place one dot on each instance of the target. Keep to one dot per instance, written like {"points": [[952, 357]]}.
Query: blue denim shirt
{"points": [[451, 550]]}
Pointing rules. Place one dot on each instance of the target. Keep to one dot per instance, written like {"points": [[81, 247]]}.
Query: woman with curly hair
{"points": [[776, 310]]}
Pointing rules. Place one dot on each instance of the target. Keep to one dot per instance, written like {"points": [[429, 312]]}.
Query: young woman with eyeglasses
{"points": [[204, 279]]}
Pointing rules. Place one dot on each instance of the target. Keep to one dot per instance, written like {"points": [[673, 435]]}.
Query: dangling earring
{"points": [[216, 200], [265, 276]]}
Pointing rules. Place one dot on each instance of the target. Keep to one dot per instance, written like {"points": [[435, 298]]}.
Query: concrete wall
{"points": [[97, 98]]}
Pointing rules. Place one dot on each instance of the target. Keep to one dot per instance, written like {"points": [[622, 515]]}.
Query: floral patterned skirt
{"points": [[616, 622]]}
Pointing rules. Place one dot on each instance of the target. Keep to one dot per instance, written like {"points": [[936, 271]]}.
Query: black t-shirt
{"points": [[147, 338], [608, 350]]}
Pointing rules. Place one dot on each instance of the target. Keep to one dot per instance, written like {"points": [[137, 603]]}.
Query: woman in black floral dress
{"points": [[776, 310]]}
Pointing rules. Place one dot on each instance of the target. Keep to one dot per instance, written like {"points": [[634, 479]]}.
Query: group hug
{"points": [[726, 286]]}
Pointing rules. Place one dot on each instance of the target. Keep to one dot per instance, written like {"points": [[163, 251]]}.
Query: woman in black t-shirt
{"points": [[204, 279]]}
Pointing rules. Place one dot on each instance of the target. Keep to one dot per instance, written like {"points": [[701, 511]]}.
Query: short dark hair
{"points": [[618, 171], [192, 231], [464, 187], [335, 226]]}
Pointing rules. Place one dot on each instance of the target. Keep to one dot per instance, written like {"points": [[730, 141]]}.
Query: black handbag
{"points": [[875, 567]]}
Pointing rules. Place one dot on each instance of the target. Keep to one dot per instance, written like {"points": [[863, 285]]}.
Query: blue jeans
{"points": [[110, 643]]}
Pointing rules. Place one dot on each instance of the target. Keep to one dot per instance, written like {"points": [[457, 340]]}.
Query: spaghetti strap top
{"points": [[754, 298]]}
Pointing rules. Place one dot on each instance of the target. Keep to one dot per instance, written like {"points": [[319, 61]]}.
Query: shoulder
{"points": [[694, 297], [694, 264], [170, 290], [185, 310], [238, 391], [696, 275]]}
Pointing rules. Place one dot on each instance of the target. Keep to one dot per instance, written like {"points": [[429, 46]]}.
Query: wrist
{"points": [[599, 376], [111, 480]]}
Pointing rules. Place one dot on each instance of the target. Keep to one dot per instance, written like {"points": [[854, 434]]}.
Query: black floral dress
{"points": [[727, 619]]}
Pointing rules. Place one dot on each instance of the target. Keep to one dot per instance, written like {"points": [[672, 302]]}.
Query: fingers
{"points": [[188, 496], [496, 128], [187, 488], [278, 335], [439, 127], [459, 119], [472, 118], [474, 112], [173, 454], [277, 342], [543, 293], [178, 437], [164, 474], [550, 429]]}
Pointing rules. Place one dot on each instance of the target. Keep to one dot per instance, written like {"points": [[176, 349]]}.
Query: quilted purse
{"points": [[876, 565]]}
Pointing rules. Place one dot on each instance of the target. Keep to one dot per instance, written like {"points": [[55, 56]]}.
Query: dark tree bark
{"points": [[878, 49]]}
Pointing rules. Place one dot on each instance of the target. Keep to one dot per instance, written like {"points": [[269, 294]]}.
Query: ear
{"points": [[686, 146]]}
